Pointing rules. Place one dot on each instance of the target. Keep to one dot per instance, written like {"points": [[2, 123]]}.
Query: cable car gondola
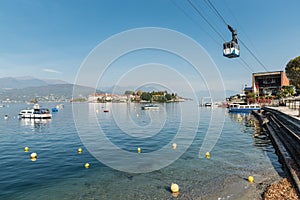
{"points": [[231, 49]]}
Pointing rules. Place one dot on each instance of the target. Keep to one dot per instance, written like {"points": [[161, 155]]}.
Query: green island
{"points": [[138, 96]]}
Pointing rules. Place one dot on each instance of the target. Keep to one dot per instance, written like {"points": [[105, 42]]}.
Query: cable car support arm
{"points": [[234, 35]]}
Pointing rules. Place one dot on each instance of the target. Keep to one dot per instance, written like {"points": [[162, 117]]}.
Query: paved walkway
{"points": [[292, 112]]}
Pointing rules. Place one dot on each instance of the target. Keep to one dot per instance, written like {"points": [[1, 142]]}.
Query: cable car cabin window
{"points": [[235, 45], [227, 45], [231, 44], [231, 49]]}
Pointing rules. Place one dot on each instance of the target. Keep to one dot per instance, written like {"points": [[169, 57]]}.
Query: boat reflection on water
{"points": [[244, 118], [236, 116], [34, 123]]}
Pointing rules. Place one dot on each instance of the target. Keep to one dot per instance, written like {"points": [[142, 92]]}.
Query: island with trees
{"points": [[136, 96]]}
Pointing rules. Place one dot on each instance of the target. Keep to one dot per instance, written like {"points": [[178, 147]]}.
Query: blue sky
{"points": [[51, 39]]}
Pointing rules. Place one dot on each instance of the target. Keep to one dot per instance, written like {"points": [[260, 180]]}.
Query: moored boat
{"points": [[35, 113], [243, 108], [150, 107], [208, 104]]}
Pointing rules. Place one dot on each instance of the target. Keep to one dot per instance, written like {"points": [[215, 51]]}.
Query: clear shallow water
{"points": [[59, 171]]}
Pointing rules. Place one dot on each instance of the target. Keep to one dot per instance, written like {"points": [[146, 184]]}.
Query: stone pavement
{"points": [[292, 112]]}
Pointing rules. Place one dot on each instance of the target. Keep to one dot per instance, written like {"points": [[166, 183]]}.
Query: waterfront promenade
{"points": [[286, 110], [283, 128]]}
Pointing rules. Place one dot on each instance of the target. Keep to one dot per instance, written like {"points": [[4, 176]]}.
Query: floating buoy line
{"points": [[33, 156], [87, 165], [26, 149], [174, 188], [207, 155]]}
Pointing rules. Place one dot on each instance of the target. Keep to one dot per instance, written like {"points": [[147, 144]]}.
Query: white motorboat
{"points": [[150, 107], [243, 108], [36, 113]]}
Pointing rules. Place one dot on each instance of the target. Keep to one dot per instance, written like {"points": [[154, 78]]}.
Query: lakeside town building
{"points": [[263, 84], [105, 97], [269, 83]]}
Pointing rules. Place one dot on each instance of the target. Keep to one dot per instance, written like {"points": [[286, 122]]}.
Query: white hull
{"points": [[243, 108], [147, 108], [150, 107], [36, 113], [36, 116]]}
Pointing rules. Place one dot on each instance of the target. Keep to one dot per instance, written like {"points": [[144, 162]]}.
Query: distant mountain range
{"points": [[26, 81], [29, 88]]}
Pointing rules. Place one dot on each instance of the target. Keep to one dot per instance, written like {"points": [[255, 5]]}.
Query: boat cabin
{"points": [[243, 108]]}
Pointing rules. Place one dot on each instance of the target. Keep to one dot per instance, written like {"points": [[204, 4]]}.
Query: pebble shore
{"points": [[280, 191]]}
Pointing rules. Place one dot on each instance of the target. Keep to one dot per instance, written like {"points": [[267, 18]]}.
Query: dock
{"points": [[283, 126]]}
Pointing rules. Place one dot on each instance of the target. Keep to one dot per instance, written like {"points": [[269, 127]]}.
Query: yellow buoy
{"points": [[33, 159], [174, 188], [174, 145], [250, 179], [79, 150], [26, 149], [87, 165], [33, 155], [139, 150], [207, 155]]}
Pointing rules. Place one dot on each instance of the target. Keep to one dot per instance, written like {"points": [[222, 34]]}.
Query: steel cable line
{"points": [[254, 56], [214, 9], [203, 17], [196, 22], [224, 21], [246, 64], [241, 28]]}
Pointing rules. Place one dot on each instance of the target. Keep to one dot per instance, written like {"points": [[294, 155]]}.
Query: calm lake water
{"points": [[59, 172]]}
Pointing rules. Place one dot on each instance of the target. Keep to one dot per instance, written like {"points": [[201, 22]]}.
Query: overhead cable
{"points": [[224, 21], [199, 12], [196, 22], [214, 8]]}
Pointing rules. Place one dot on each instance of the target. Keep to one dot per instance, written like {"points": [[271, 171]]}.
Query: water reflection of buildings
{"points": [[240, 116], [244, 118], [35, 123]]}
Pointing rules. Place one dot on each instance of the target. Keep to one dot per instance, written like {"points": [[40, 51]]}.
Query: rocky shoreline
{"points": [[280, 191]]}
